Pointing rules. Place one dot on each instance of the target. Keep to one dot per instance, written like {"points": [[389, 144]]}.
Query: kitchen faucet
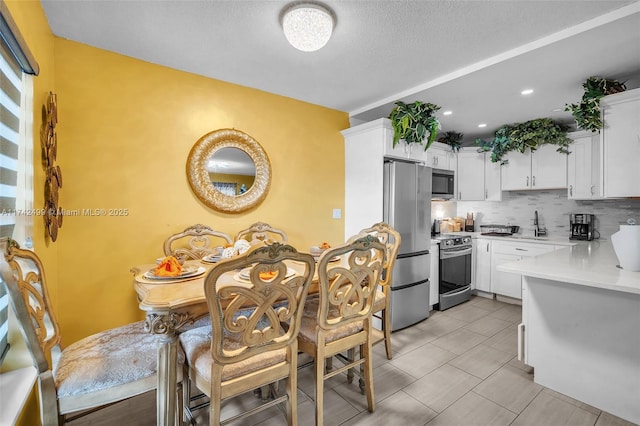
{"points": [[537, 231]]}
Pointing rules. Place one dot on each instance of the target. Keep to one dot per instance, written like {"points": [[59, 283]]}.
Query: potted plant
{"points": [[587, 112], [453, 139], [414, 123], [520, 136]]}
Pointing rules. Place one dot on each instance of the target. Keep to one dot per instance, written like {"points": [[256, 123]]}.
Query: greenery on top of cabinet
{"points": [[453, 139], [520, 136], [587, 112], [414, 123]]}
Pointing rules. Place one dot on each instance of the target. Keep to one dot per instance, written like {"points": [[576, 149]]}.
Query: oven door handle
{"points": [[455, 293], [448, 254]]}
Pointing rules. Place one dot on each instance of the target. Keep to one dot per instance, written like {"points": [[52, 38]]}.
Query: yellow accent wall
{"points": [[125, 130]]}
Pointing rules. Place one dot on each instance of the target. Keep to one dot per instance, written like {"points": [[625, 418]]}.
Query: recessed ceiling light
{"points": [[482, 125], [557, 109], [527, 91], [447, 113]]}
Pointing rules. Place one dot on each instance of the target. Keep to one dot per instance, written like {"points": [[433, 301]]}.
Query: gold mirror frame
{"points": [[199, 179]]}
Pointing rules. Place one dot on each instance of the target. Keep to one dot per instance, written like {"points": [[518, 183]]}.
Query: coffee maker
{"points": [[582, 226]]}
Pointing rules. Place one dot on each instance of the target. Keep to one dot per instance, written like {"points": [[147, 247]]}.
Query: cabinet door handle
{"points": [[527, 181], [592, 189], [521, 249], [533, 181], [571, 190], [487, 247], [459, 195], [486, 193]]}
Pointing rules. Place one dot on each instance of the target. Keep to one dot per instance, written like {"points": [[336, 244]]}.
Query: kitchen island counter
{"points": [[580, 322], [592, 264]]}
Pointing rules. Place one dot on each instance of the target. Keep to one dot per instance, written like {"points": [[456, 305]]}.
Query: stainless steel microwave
{"points": [[442, 184]]}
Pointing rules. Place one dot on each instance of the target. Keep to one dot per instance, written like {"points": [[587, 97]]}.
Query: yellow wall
{"points": [[125, 130]]}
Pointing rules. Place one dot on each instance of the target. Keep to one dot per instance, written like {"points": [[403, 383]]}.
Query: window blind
{"points": [[15, 59]]}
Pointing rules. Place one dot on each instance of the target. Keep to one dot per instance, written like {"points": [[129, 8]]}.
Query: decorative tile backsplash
{"points": [[517, 208]]}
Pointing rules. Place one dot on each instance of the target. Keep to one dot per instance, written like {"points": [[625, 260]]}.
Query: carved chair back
{"points": [[195, 242], [347, 288], [23, 273], [391, 239], [246, 318], [262, 232]]}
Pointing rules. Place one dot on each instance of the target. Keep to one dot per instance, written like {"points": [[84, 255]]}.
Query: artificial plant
{"points": [[520, 136], [414, 123], [453, 139], [587, 112]]}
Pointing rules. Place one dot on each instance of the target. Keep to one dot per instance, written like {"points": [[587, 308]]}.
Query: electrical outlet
{"points": [[337, 213]]}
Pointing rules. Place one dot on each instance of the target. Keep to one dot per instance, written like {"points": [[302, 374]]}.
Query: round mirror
{"points": [[228, 171]]}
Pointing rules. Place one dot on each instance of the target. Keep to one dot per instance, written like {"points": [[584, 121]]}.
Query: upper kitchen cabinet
{"points": [[584, 177], [440, 156], [545, 168], [470, 175], [621, 144], [477, 177]]}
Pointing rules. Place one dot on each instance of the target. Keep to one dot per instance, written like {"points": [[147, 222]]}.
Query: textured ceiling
{"points": [[473, 57]]}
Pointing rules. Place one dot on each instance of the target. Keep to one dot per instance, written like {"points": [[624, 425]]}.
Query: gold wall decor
{"points": [[199, 177], [53, 180]]}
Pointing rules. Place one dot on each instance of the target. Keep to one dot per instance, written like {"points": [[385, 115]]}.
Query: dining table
{"points": [[174, 302]]}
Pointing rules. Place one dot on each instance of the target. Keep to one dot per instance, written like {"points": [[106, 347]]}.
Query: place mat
{"points": [[144, 277]]}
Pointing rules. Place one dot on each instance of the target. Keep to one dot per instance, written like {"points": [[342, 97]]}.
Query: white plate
{"points": [[333, 259], [187, 272], [244, 274], [212, 258]]}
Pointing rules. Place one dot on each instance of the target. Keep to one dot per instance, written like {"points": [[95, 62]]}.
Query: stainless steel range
{"points": [[454, 286]]}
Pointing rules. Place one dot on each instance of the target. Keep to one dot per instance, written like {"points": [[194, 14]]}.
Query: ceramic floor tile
{"points": [[434, 327], [510, 388], [510, 313], [466, 312], [606, 419], [422, 360], [481, 361], [336, 410], [487, 325], [387, 380], [547, 410], [459, 341], [442, 387], [515, 362], [486, 303], [505, 340], [575, 402], [398, 409], [472, 409]]}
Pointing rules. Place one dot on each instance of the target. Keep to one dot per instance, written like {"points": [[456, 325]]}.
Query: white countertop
{"points": [[592, 264]]}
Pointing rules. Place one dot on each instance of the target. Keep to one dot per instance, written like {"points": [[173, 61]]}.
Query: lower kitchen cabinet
{"points": [[506, 283], [482, 267], [434, 276]]}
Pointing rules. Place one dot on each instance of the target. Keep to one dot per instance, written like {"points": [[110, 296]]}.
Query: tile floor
{"points": [[459, 367]]}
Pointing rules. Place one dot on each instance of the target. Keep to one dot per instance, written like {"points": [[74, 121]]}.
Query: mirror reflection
{"points": [[231, 171]]}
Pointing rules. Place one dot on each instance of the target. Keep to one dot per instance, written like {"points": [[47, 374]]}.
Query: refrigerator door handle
{"points": [[408, 285], [392, 193], [412, 254]]}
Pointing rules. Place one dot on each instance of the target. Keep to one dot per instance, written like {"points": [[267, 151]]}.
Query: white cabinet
{"points": [[482, 267], [506, 283], [434, 276], [545, 168], [477, 177], [440, 156], [470, 176], [492, 180], [621, 144], [583, 167]]}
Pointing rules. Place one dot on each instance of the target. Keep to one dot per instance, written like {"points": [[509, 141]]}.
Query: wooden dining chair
{"points": [[91, 373], [340, 318], [262, 232], [195, 242], [245, 347], [391, 239]]}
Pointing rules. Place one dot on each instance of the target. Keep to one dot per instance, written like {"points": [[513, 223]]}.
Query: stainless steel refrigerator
{"points": [[407, 207]]}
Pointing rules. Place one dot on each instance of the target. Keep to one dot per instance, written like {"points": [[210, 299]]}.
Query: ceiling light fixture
{"points": [[307, 26], [447, 113], [527, 92], [482, 125]]}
